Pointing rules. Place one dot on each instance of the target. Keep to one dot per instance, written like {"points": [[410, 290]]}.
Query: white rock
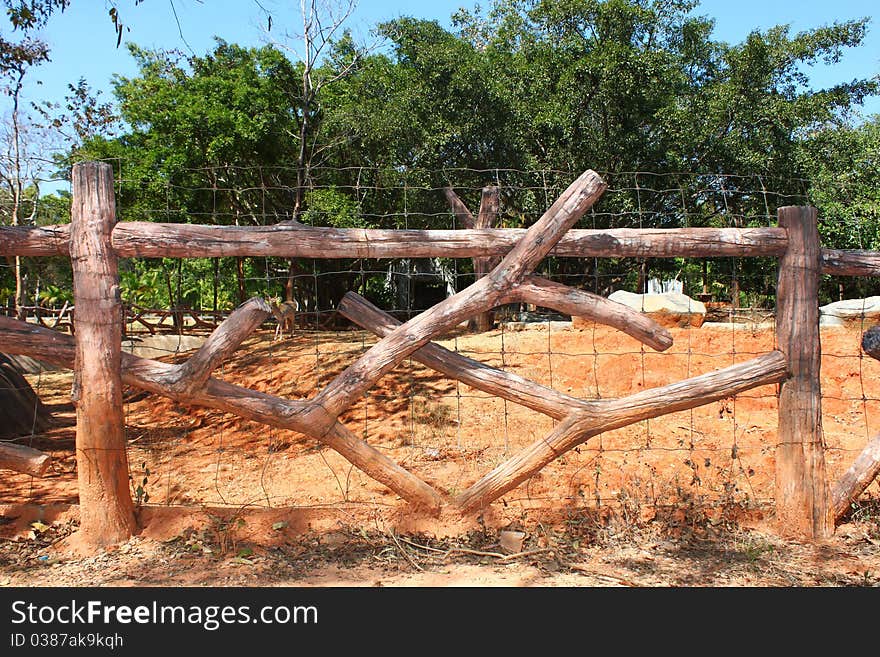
{"points": [[667, 309], [843, 312]]}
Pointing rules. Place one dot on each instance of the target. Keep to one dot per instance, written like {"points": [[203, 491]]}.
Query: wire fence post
{"points": [[106, 508], [803, 506]]}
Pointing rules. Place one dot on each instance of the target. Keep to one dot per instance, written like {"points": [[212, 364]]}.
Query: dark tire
{"points": [[871, 342], [21, 410]]}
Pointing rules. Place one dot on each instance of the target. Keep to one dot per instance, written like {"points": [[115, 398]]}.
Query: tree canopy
{"points": [[526, 89]]}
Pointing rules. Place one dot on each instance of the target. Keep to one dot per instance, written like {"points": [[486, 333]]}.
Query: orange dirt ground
{"points": [[684, 499]]}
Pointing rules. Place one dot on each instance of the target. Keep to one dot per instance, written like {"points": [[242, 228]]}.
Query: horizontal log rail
{"points": [[137, 239], [134, 239], [854, 262]]}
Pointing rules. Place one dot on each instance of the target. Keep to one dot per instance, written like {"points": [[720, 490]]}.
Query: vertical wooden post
{"points": [[106, 508], [803, 506], [489, 206]]}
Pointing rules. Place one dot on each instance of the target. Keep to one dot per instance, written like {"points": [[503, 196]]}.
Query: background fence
{"points": [[707, 461]]}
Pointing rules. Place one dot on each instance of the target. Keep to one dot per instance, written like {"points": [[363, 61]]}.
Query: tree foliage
{"points": [[525, 94]]}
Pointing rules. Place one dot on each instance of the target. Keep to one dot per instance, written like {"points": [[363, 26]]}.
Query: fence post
{"points": [[106, 508], [803, 506]]}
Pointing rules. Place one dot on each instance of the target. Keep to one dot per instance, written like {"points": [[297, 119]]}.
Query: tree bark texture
{"points": [[106, 508], [803, 506]]}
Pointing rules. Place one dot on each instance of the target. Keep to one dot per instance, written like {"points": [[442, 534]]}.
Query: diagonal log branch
{"points": [[857, 478], [490, 202], [222, 342], [571, 301], [607, 414], [459, 209], [470, 372], [21, 458], [581, 419]]}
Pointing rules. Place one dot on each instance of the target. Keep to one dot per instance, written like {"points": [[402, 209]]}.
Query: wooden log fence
{"points": [[806, 505]]}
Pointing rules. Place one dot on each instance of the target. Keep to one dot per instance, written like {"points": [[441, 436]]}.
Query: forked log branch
{"points": [[157, 377], [459, 209], [607, 414], [21, 458], [856, 479], [581, 419]]}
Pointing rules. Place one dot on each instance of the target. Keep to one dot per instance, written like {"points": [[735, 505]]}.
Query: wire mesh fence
{"points": [[710, 460]]}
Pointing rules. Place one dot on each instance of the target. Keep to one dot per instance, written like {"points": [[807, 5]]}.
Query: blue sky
{"points": [[83, 42]]}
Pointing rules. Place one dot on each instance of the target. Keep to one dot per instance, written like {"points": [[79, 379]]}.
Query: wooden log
{"points": [[382, 357], [142, 239], [856, 479], [571, 301], [35, 240], [17, 337], [459, 209], [133, 239], [803, 506], [840, 262], [480, 376], [471, 372], [225, 339], [154, 376], [490, 202], [106, 507], [24, 459], [607, 414]]}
